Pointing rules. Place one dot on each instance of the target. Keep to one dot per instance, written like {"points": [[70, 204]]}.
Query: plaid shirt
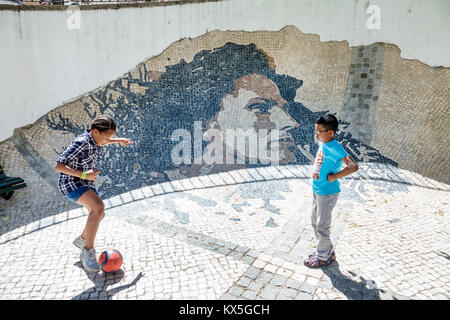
{"points": [[81, 155]]}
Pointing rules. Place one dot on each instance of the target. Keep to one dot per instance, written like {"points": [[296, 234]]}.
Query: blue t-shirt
{"points": [[328, 160]]}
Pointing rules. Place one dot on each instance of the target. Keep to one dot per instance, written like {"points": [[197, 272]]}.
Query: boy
{"points": [[326, 171]]}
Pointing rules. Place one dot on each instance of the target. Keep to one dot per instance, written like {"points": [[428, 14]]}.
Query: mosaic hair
{"points": [[102, 123], [329, 122]]}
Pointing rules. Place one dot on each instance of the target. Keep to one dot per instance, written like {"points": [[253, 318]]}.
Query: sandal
{"points": [[314, 262]]}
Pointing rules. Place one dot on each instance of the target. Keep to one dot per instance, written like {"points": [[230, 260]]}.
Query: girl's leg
{"points": [[96, 209], [83, 234]]}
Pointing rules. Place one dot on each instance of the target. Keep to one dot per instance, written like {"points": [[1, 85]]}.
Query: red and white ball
{"points": [[110, 260]]}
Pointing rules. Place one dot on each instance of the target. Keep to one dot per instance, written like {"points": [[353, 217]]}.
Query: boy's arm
{"points": [[352, 166]]}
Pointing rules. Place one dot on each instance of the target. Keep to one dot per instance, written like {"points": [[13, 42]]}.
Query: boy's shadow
{"points": [[354, 290], [101, 282]]}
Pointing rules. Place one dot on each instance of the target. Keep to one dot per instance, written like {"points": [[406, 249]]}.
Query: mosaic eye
{"points": [[262, 107]]}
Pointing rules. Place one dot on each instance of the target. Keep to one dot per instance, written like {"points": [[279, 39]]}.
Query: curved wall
{"points": [[53, 54], [208, 82], [390, 110]]}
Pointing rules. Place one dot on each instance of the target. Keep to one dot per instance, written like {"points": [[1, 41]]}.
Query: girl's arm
{"points": [[123, 141], [64, 168], [351, 167]]}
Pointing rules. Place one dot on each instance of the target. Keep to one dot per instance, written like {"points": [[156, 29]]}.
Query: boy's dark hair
{"points": [[102, 123], [329, 122]]}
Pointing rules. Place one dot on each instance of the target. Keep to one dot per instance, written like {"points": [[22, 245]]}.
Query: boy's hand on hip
{"points": [[92, 174], [315, 176], [331, 177]]}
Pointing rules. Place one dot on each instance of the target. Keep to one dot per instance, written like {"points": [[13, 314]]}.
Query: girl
{"points": [[77, 181]]}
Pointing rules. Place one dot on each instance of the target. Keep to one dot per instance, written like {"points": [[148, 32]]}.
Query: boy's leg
{"points": [[314, 215], [96, 208], [325, 205]]}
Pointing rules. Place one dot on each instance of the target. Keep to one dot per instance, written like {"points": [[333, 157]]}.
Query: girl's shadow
{"points": [[101, 282]]}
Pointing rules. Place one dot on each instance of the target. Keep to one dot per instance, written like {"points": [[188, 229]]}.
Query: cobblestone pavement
{"points": [[238, 235]]}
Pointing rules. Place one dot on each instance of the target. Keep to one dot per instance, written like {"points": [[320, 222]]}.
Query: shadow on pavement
{"points": [[358, 290], [353, 290], [101, 282]]}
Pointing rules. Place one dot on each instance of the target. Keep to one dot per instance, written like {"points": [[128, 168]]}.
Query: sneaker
{"points": [[79, 242], [89, 260]]}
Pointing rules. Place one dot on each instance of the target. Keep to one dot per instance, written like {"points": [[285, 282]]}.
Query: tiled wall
{"points": [[390, 109], [413, 115], [363, 90]]}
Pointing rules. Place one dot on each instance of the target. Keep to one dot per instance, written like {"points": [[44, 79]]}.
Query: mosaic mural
{"points": [[230, 87]]}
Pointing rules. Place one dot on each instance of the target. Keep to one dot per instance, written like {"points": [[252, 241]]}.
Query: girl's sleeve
{"points": [[72, 152]]}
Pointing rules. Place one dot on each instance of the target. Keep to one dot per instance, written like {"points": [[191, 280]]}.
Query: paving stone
{"points": [[304, 296], [291, 293], [264, 277], [235, 291], [259, 264], [307, 288], [255, 286], [278, 280], [291, 283], [270, 268], [269, 292], [249, 294], [244, 281], [252, 272]]}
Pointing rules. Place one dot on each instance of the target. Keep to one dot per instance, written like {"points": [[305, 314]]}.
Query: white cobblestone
{"points": [[193, 260]]}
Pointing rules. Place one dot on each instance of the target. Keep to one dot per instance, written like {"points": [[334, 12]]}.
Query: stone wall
{"points": [[55, 53], [412, 120], [396, 119]]}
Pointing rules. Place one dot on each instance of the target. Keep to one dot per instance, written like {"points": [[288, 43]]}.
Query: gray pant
{"points": [[321, 222]]}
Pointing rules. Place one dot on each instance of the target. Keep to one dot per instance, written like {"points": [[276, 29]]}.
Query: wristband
{"points": [[83, 175]]}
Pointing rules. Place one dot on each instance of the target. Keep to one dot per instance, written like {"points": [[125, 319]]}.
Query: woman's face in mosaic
{"points": [[254, 104]]}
